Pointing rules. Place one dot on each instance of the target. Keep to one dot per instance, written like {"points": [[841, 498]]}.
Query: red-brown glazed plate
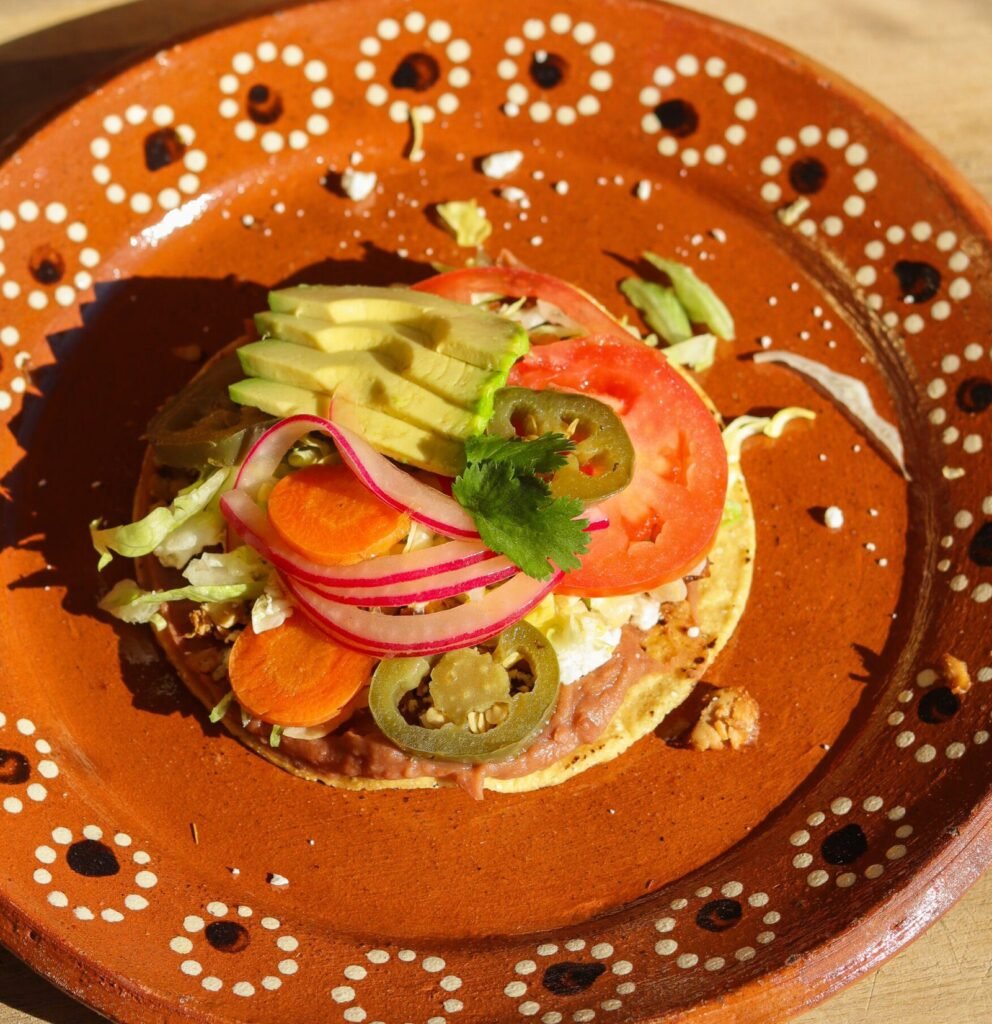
{"points": [[141, 847]]}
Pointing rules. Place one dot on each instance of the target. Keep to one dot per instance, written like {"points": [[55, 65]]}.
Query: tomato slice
{"points": [[518, 282], [663, 522]]}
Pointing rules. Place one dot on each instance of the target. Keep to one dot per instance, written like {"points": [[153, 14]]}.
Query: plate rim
{"points": [[790, 989]]}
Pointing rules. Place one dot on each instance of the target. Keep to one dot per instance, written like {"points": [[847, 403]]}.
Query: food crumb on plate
{"points": [[730, 717], [499, 165], [955, 673], [279, 881], [833, 517], [358, 185]]}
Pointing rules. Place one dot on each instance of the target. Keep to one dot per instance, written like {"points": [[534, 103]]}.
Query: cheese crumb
{"points": [[561, 187], [358, 185], [643, 190], [277, 880], [499, 165], [833, 518], [512, 194]]}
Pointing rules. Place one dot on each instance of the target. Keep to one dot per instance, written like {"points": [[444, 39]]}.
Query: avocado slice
{"points": [[364, 377], [399, 348], [276, 399], [452, 329]]}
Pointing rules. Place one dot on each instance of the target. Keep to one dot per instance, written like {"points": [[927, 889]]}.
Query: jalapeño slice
{"points": [[603, 460], [472, 706], [201, 425]]}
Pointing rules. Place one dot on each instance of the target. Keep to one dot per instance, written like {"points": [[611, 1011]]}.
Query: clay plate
{"points": [[140, 843]]}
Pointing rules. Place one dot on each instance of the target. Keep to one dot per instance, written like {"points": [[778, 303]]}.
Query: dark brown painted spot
{"points": [[808, 175], [227, 936], [938, 705], [845, 845], [264, 105], [14, 768], [547, 70], [569, 978], [918, 281], [46, 265], [719, 915], [163, 147], [416, 71], [92, 859], [974, 394], [678, 117], [980, 548]]}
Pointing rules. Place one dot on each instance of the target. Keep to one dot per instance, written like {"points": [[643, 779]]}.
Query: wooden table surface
{"points": [[931, 63]]}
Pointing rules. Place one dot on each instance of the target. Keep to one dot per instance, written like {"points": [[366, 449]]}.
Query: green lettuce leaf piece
{"points": [[220, 708], [660, 307], [201, 530], [129, 603], [243, 565], [699, 300], [142, 537], [697, 352], [466, 220]]}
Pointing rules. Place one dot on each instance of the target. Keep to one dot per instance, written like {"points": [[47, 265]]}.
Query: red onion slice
{"points": [[252, 525], [436, 588], [398, 489], [395, 636]]}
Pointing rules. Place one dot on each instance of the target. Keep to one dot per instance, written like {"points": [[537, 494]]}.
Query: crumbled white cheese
{"points": [[271, 608], [358, 185], [499, 165], [643, 190], [561, 187], [277, 880], [833, 518]]}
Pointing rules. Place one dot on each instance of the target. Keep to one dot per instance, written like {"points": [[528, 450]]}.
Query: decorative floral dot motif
{"points": [[710, 911], [925, 721], [221, 943], [826, 170], [914, 276], [676, 114], [100, 877], [27, 767], [170, 166], [358, 979], [277, 97], [417, 64], [571, 981], [850, 843], [556, 70]]}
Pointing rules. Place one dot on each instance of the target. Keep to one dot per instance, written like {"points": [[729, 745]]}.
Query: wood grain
{"points": [[932, 68]]}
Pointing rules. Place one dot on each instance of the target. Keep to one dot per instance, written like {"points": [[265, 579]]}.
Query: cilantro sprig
{"points": [[504, 491]]}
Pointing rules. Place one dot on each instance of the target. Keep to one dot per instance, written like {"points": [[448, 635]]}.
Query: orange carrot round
{"points": [[295, 675], [327, 515]]}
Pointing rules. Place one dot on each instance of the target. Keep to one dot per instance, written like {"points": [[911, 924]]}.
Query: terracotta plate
{"points": [[141, 847]]}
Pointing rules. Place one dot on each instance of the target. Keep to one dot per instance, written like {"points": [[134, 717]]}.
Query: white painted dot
{"points": [[690, 157], [540, 112], [937, 388], [36, 791], [10, 336], [841, 805], [528, 1008], [272, 141], [245, 989], [101, 174], [854, 206], [925, 754], [574, 945], [802, 860], [744, 954], [84, 914], [288, 967], [65, 295], [584, 33], [865, 180], [377, 956], [982, 593], [438, 31], [981, 737], [735, 83], [62, 836], [58, 899], [668, 146], [785, 146], [665, 947], [833, 226], [622, 967], [715, 67], [914, 323], [587, 106], [11, 804], [715, 155], [704, 893], [905, 739], [810, 135], [856, 154], [771, 192], [526, 967], [601, 950], [959, 288], [665, 924], [746, 109], [799, 838], [135, 902], [663, 76], [212, 984], [735, 134], [815, 879], [407, 955], [43, 877], [687, 65], [343, 994], [601, 80], [181, 945], [515, 989], [141, 202], [687, 961]]}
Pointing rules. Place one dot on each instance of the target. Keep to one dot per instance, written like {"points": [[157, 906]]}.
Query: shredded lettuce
{"points": [[697, 352], [142, 537], [275, 737], [200, 531], [129, 603], [271, 608], [416, 151], [850, 393], [739, 430], [581, 638], [466, 220], [220, 708], [701, 303], [230, 568], [660, 308]]}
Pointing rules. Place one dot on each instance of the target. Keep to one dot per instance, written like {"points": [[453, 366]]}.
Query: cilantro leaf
{"points": [[512, 505]]}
